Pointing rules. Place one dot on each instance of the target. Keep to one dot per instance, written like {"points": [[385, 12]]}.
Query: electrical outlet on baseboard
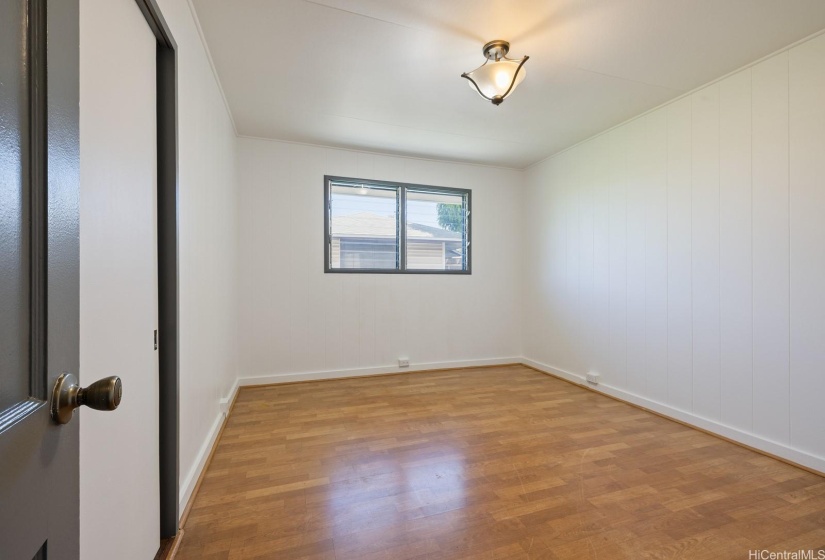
{"points": [[403, 362], [593, 378]]}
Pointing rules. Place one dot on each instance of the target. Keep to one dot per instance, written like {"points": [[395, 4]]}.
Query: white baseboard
{"points": [[226, 402], [557, 372], [191, 480], [188, 484], [275, 378], [751, 440]]}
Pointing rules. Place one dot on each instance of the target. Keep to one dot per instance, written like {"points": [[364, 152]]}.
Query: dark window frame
{"points": [[401, 201]]}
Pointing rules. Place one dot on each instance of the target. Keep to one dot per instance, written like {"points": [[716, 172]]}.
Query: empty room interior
{"points": [[389, 279]]}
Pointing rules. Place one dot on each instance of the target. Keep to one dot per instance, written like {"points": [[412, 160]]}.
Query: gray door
{"points": [[39, 192]]}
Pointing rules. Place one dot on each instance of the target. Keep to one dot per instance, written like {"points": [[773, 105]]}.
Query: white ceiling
{"points": [[384, 75]]}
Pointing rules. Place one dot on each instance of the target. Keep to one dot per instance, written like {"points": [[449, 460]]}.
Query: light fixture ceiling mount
{"points": [[496, 50], [496, 79]]}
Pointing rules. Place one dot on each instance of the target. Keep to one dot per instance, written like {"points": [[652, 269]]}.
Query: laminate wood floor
{"points": [[485, 463]]}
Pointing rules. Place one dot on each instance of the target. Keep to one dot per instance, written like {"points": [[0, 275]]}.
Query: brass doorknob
{"points": [[67, 395]]}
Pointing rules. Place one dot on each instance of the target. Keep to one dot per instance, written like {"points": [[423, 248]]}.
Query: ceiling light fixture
{"points": [[496, 79]]}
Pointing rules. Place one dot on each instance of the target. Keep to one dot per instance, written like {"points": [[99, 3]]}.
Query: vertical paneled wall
{"points": [[208, 241], [298, 321], [682, 256]]}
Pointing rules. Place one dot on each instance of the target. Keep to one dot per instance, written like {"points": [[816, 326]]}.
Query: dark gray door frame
{"points": [[167, 223]]}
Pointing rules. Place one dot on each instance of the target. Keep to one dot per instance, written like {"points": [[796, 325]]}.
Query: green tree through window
{"points": [[451, 217]]}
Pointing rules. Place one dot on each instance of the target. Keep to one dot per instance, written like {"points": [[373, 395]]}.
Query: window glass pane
{"points": [[363, 226], [436, 231]]}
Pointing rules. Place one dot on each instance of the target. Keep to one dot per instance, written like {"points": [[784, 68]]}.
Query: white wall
{"points": [[208, 246], [682, 257], [297, 322]]}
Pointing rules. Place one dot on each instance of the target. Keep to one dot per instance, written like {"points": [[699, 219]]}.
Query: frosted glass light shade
{"points": [[497, 78], [494, 78]]}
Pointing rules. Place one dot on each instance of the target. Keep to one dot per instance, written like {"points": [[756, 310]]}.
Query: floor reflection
{"points": [[390, 491]]}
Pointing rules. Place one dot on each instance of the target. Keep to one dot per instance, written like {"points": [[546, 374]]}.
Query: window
{"points": [[376, 226]]}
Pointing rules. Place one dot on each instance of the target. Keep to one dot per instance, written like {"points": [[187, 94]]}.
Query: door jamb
{"points": [[168, 299]]}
